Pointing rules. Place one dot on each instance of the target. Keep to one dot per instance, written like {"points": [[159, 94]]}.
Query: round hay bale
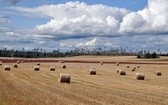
{"points": [[158, 73], [140, 76], [101, 63], [52, 68], [93, 71], [138, 66], [6, 67], [0, 63], [122, 72], [133, 69], [128, 66], [118, 70], [18, 62], [38, 64], [61, 61], [117, 64], [64, 78], [64, 66], [36, 68], [15, 66]]}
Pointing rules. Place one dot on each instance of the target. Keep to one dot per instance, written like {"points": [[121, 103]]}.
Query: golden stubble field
{"points": [[24, 86]]}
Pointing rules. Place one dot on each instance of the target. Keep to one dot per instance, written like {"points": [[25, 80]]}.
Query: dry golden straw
{"points": [[101, 63], [64, 66], [93, 71], [64, 78], [52, 68], [15, 66], [133, 69], [18, 62], [61, 61], [122, 72], [117, 64], [6, 67], [36, 68], [140, 76], [158, 73], [118, 70]]}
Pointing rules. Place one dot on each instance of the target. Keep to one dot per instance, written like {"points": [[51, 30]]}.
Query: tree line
{"points": [[148, 55], [41, 53]]}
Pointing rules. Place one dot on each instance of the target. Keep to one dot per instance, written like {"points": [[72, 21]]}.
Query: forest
{"points": [[41, 53]]}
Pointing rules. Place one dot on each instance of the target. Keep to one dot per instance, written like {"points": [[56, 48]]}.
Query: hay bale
{"points": [[128, 66], [64, 78], [140, 76], [64, 66], [18, 62], [38, 64], [61, 61], [122, 72], [93, 71], [118, 70], [15, 66], [52, 68], [36, 68], [101, 63], [6, 67], [133, 69], [158, 73], [117, 64], [138, 66], [0, 63]]}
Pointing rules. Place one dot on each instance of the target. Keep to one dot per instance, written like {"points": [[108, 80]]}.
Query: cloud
{"points": [[151, 20], [2, 29], [23, 38], [12, 2], [4, 19], [75, 19], [19, 38], [78, 19], [93, 42], [129, 43], [77, 24]]}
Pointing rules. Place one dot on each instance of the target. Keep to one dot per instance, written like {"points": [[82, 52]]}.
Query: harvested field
{"points": [[24, 86]]}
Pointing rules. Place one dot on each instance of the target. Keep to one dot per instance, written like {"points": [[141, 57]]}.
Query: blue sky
{"points": [[129, 4], [133, 5], [65, 24]]}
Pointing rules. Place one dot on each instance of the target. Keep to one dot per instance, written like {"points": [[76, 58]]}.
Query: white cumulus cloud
{"points": [[151, 20], [75, 18], [78, 19], [77, 24], [93, 42]]}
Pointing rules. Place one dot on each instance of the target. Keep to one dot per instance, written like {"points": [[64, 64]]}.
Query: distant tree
{"points": [[138, 56], [39, 52], [147, 55], [154, 55]]}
